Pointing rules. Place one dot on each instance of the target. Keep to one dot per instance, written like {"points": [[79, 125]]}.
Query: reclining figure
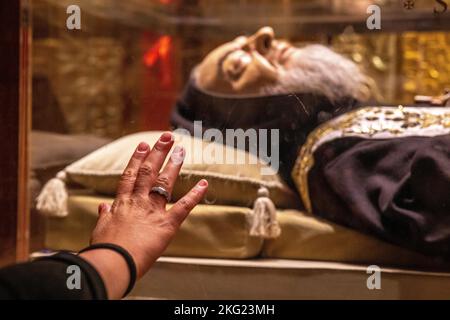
{"points": [[384, 171]]}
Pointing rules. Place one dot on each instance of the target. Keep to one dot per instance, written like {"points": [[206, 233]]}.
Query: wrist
{"points": [[113, 270]]}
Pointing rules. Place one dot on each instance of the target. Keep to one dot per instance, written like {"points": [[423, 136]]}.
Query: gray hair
{"points": [[318, 69]]}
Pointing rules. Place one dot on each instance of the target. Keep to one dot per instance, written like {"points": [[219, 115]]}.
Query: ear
{"points": [[256, 74], [235, 65]]}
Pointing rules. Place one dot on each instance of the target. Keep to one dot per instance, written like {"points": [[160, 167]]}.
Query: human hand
{"points": [[138, 220]]}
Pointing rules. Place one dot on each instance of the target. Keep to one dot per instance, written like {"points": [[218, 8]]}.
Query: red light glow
{"points": [[160, 50]]}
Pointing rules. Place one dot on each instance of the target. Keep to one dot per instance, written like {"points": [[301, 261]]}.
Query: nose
{"points": [[262, 39]]}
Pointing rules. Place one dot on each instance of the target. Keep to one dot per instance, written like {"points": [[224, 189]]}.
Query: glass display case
{"points": [[100, 70], [129, 61], [144, 51]]}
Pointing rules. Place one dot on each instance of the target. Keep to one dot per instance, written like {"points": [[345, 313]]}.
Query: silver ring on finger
{"points": [[162, 192]]}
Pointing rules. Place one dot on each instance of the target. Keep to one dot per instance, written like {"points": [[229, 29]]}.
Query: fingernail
{"points": [[166, 137], [101, 208], [178, 155], [142, 147], [202, 183]]}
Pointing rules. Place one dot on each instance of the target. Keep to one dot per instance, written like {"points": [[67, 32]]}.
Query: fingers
{"points": [[149, 170], [103, 208], [168, 176], [128, 178], [181, 209]]}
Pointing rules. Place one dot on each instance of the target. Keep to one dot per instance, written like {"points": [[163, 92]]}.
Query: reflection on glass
{"points": [[137, 65]]}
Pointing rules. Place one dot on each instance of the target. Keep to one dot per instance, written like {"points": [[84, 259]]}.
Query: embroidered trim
{"points": [[372, 123]]}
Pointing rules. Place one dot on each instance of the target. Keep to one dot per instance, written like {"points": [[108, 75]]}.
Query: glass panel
{"points": [[104, 69]]}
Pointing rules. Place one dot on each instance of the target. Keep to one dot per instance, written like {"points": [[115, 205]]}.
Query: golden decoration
{"points": [[366, 122]]}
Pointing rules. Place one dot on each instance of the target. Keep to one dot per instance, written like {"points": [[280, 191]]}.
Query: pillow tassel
{"points": [[52, 201], [263, 221]]}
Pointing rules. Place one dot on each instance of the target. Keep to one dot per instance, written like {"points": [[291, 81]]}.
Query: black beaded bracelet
{"points": [[125, 254]]}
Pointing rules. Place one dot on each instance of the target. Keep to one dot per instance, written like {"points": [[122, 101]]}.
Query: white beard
{"points": [[320, 70]]}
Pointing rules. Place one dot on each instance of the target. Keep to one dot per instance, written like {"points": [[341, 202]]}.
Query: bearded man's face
{"points": [[262, 65]]}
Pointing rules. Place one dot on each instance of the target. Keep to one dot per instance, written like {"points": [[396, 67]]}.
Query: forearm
{"points": [[112, 268], [51, 278]]}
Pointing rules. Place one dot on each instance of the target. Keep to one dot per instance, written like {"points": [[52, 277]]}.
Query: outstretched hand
{"points": [[138, 220]]}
